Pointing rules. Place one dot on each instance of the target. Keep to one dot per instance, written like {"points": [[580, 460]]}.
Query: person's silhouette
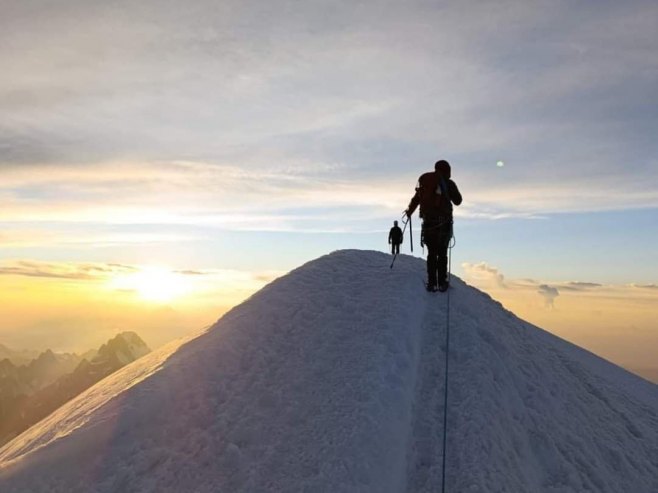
{"points": [[395, 238], [435, 194]]}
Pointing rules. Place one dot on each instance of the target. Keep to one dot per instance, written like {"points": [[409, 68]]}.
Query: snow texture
{"points": [[330, 379]]}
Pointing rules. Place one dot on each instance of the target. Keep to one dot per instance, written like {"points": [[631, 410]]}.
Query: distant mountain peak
{"points": [[32, 391], [6, 365], [47, 356], [124, 347], [130, 335]]}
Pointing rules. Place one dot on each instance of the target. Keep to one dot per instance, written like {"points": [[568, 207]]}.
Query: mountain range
{"points": [[31, 391]]}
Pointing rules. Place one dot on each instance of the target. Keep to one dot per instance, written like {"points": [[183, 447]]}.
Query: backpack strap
{"points": [[445, 189]]}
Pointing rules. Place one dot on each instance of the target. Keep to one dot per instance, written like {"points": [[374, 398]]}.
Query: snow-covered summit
{"points": [[331, 379], [124, 348]]}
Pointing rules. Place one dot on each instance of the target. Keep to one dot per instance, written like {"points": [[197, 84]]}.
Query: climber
{"points": [[395, 238], [435, 194]]}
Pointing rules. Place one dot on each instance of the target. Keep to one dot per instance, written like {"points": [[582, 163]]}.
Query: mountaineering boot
{"points": [[443, 286]]}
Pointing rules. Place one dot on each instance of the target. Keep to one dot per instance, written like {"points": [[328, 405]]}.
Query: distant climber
{"points": [[435, 194], [395, 238]]}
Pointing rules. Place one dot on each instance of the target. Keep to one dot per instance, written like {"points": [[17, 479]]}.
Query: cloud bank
{"points": [[217, 112]]}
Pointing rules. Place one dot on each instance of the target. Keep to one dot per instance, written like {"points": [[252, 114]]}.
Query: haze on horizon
{"points": [[224, 143]]}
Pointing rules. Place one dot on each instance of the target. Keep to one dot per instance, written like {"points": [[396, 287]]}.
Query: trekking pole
{"points": [[411, 236], [394, 257], [403, 230]]}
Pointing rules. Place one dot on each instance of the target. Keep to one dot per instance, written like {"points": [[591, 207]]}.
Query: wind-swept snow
{"points": [[331, 379]]}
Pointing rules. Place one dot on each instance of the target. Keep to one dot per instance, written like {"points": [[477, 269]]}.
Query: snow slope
{"points": [[330, 379]]}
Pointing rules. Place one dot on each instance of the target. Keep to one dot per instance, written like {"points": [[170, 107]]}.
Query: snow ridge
{"points": [[331, 379]]}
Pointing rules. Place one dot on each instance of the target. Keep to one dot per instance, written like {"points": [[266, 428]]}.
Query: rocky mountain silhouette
{"points": [[30, 392], [17, 357]]}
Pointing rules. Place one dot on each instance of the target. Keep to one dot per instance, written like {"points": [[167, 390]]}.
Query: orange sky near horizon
{"points": [[69, 314], [616, 322], [81, 312]]}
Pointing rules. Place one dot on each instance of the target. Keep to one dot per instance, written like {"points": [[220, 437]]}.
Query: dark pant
{"points": [[395, 248], [436, 237]]}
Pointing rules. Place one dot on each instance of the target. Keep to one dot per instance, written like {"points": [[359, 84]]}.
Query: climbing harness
{"points": [[432, 225], [445, 385]]}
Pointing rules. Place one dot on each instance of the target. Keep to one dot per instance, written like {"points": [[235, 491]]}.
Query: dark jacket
{"points": [[435, 194], [395, 235]]}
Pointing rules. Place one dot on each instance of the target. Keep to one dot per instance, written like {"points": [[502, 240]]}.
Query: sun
{"points": [[154, 284], [158, 284]]}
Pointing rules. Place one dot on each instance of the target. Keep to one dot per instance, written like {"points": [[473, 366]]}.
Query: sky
{"points": [[217, 144]]}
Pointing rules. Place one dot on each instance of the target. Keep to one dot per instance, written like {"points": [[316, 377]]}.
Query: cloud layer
{"points": [[616, 321], [490, 278], [72, 271], [209, 111]]}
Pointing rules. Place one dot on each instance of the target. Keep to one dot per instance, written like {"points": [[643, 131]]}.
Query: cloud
{"points": [[189, 272], [128, 110], [267, 276], [580, 286], [262, 276], [192, 193], [88, 271], [86, 236], [615, 321], [72, 271], [549, 294], [490, 278], [484, 272]]}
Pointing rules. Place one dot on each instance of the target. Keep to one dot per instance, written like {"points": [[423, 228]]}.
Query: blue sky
{"points": [[255, 136]]}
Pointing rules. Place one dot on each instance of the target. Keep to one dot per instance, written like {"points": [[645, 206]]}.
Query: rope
{"points": [[445, 385]]}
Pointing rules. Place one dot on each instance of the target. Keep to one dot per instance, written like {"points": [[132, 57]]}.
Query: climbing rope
{"points": [[445, 385]]}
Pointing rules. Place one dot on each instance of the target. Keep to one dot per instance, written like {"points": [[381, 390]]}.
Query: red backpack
{"points": [[434, 202]]}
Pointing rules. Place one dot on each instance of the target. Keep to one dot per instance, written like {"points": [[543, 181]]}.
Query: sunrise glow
{"points": [[153, 284], [161, 164]]}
